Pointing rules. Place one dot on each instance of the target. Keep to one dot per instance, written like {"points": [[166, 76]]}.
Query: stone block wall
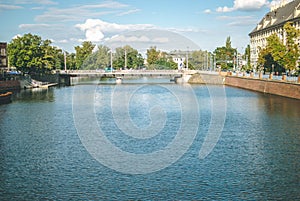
{"points": [[265, 86]]}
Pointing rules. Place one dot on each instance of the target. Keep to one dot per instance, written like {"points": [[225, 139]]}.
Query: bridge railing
{"points": [[124, 71]]}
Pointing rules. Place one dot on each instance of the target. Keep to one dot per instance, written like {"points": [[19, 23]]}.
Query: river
{"points": [[142, 140]]}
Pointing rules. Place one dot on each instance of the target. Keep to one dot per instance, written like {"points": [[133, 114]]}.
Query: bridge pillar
{"points": [[183, 79], [65, 80]]}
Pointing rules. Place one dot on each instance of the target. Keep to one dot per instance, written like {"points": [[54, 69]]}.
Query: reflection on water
{"points": [[34, 95], [256, 157], [275, 106]]}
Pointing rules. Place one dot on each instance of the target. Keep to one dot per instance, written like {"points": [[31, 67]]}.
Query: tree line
{"points": [[279, 56], [31, 54]]}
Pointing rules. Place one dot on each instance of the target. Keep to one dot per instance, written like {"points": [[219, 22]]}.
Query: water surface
{"points": [[256, 157]]}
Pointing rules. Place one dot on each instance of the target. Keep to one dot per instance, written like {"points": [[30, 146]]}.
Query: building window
{"points": [[3, 52]]}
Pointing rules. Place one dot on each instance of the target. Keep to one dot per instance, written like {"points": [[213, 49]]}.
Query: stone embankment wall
{"points": [[280, 88], [53, 78], [10, 85], [206, 79]]}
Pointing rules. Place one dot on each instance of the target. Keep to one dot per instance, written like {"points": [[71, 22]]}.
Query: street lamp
{"points": [[187, 59], [65, 61], [125, 57], [111, 60]]}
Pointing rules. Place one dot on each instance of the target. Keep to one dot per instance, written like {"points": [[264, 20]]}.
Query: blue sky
{"points": [[206, 23]]}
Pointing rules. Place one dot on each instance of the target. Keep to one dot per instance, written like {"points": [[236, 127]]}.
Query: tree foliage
{"points": [[30, 54], [283, 56], [152, 55], [159, 60], [247, 57], [292, 49], [98, 60], [83, 52], [132, 57], [225, 55]]}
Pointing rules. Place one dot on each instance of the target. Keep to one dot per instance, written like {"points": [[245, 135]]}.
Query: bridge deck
{"points": [[124, 73]]}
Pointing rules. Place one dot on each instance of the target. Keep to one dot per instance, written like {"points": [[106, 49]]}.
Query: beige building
{"points": [[3, 55], [271, 23]]}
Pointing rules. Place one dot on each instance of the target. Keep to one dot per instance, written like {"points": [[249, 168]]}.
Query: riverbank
{"points": [[259, 84], [280, 88], [10, 85]]}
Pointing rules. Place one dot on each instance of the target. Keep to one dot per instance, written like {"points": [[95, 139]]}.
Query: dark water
{"points": [[257, 156]]}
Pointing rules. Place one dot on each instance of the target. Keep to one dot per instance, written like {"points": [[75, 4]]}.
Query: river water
{"points": [[50, 149]]}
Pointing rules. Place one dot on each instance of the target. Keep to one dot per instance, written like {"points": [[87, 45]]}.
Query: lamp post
{"points": [[187, 59], [65, 61], [111, 61], [125, 57]]}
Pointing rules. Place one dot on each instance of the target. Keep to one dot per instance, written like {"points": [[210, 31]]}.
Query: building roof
{"points": [[278, 16]]}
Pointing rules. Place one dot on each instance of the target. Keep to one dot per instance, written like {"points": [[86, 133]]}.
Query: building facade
{"points": [[271, 23], [3, 56]]}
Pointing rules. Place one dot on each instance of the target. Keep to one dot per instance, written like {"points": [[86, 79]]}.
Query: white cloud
{"points": [[33, 26], [40, 2], [9, 7], [207, 11], [122, 38], [95, 29], [107, 4], [17, 36], [245, 5], [63, 41], [129, 12], [140, 39], [82, 12], [238, 20]]}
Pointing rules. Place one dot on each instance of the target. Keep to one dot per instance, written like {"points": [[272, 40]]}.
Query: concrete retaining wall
{"points": [[265, 86]]}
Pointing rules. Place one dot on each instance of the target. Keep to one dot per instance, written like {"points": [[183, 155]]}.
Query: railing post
{"points": [[283, 77], [271, 76]]}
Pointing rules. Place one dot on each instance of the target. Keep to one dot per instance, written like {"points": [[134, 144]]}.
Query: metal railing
{"points": [[272, 77]]}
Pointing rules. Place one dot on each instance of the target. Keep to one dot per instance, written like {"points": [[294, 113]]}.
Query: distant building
{"points": [[180, 62], [271, 23], [3, 56]]}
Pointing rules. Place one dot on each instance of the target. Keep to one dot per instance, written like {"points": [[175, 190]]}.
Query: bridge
{"points": [[179, 76], [122, 73]]}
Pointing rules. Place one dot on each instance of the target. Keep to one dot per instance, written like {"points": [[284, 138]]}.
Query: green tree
{"points": [[292, 49], [225, 55], [152, 56], [29, 53], [97, 60], [53, 57], [70, 61], [83, 52], [161, 60], [103, 57], [165, 61], [246, 56], [128, 57], [280, 56], [197, 59]]}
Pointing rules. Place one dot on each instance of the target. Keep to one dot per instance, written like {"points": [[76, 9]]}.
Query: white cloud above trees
{"points": [[247, 5], [95, 29]]}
